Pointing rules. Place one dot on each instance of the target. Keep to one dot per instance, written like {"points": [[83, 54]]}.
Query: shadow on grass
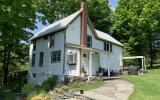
{"points": [[154, 67]]}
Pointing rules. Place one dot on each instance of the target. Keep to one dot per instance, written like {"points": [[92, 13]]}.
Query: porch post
{"points": [[142, 63], [109, 71], [90, 63]]}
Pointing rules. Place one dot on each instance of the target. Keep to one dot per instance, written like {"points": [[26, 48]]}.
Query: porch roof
{"points": [[86, 48]]}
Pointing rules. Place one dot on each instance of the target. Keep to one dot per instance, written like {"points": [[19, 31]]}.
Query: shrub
{"points": [[50, 83], [26, 89], [32, 94], [41, 96]]}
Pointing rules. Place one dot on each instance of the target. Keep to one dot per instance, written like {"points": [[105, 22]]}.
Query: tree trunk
{"points": [[5, 76], [151, 54], [5, 62]]}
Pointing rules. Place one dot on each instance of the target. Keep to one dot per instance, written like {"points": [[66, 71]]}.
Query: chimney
{"points": [[83, 36]]}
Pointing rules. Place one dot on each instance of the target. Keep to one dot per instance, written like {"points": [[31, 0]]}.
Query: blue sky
{"points": [[113, 4]]}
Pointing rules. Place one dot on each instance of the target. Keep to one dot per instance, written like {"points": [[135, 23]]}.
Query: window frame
{"points": [[34, 75], [41, 59], [107, 47], [56, 56], [33, 60], [89, 41], [110, 47], [52, 40], [34, 45]]}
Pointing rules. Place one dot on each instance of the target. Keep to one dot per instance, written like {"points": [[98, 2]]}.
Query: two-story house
{"points": [[70, 44]]}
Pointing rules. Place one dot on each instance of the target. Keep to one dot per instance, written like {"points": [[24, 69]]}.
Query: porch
{"points": [[90, 60]]}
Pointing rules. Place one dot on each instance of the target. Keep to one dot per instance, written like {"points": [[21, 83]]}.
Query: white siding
{"points": [[73, 32], [73, 70], [48, 67], [98, 44], [113, 59]]}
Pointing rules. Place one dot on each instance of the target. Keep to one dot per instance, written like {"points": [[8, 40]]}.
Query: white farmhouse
{"points": [[70, 45]]}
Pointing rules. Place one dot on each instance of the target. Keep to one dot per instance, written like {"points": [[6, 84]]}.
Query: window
{"points": [[34, 75], [41, 59], [72, 58], [52, 40], [33, 59], [55, 56], [34, 45], [108, 47], [89, 41], [46, 37]]}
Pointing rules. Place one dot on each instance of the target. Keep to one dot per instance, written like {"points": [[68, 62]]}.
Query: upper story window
{"points": [[108, 47], [72, 58], [41, 56], [46, 37], [89, 41], [34, 45], [33, 59], [52, 38], [55, 56], [34, 75]]}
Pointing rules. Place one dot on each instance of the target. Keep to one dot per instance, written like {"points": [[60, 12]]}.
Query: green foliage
{"points": [[136, 24], [32, 94], [15, 18], [99, 11], [85, 86], [26, 89], [9, 96], [146, 86], [50, 83], [30, 90]]}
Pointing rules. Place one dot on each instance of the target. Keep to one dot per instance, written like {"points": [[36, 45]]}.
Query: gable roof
{"points": [[63, 23], [107, 37]]}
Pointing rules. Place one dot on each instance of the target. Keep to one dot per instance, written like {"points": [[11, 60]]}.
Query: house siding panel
{"points": [[112, 60], [48, 68], [73, 32], [73, 70]]}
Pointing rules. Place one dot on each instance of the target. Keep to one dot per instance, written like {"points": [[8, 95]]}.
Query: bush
{"points": [[41, 96], [26, 89], [50, 83], [36, 91]]}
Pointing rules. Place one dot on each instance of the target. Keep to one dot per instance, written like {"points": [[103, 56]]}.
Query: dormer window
{"points": [[34, 45], [72, 58], [52, 37], [89, 41]]}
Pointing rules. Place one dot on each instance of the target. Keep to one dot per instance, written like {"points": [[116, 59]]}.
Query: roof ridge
{"points": [[60, 24]]}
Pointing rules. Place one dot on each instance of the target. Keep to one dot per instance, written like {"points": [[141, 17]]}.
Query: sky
{"points": [[113, 4]]}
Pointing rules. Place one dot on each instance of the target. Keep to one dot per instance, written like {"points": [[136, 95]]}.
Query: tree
{"points": [[137, 24], [52, 10], [15, 18]]}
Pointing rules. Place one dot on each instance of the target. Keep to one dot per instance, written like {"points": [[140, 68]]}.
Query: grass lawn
{"points": [[147, 87], [86, 86]]}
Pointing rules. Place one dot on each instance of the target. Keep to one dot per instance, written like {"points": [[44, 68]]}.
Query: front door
{"points": [[95, 63], [85, 61]]}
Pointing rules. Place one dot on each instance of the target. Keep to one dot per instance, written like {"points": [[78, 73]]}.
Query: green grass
{"points": [[147, 87], [86, 86]]}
